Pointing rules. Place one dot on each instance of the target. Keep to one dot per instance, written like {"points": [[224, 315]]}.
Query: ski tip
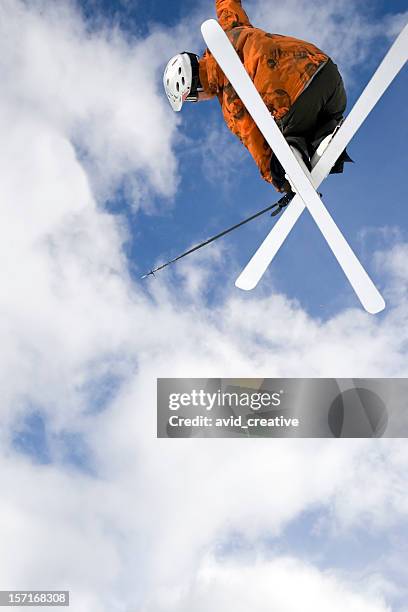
{"points": [[208, 27], [376, 306], [209, 24], [242, 283]]}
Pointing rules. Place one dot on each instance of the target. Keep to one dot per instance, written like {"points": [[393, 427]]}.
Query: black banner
{"points": [[282, 408]]}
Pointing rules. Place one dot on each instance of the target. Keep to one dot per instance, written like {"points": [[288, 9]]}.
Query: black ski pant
{"points": [[313, 116]]}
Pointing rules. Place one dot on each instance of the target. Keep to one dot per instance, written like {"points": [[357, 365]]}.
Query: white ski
{"points": [[383, 77], [227, 58]]}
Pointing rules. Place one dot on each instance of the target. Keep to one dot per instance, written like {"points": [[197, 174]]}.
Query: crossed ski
{"points": [[306, 183]]}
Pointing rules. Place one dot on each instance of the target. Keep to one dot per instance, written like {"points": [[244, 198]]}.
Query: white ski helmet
{"points": [[181, 79]]}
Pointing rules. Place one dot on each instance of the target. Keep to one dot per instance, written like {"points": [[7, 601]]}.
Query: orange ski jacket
{"points": [[279, 66]]}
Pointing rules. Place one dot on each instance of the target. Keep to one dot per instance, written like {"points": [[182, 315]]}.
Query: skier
{"points": [[299, 83]]}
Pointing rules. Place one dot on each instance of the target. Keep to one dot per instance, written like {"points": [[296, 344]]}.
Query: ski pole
{"points": [[284, 201]]}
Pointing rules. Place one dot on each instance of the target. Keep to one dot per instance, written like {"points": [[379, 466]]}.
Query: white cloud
{"points": [[97, 89], [279, 584], [70, 314]]}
